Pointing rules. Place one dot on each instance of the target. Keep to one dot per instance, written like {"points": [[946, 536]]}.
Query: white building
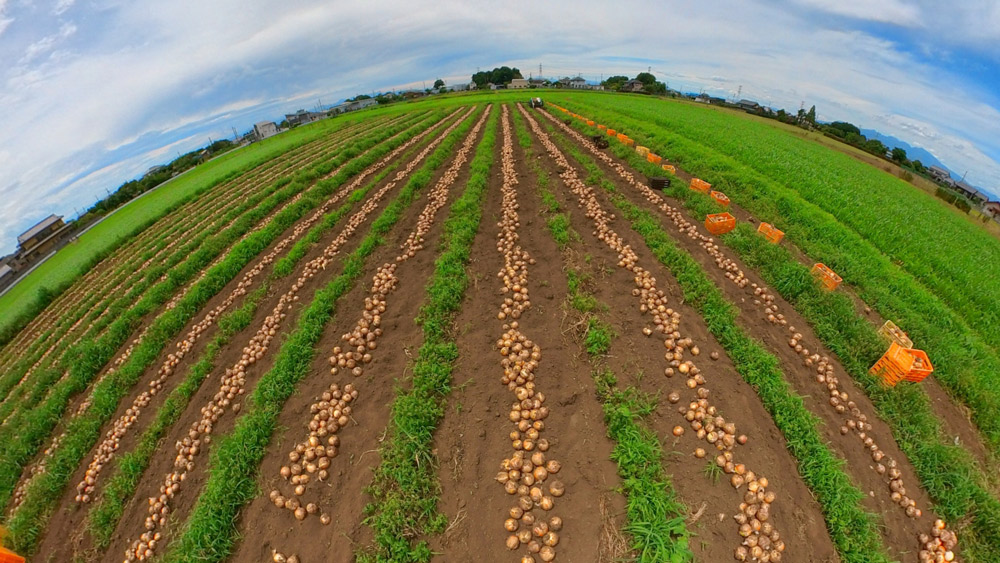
{"points": [[265, 129], [517, 84]]}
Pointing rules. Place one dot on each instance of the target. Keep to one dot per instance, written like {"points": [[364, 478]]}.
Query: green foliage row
{"points": [[965, 361], [854, 531], [83, 431], [405, 486], [210, 530]]}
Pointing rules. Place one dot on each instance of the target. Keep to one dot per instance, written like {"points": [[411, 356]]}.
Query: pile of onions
{"points": [[761, 542], [527, 473]]}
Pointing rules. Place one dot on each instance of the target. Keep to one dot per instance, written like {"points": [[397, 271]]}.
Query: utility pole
{"points": [[539, 70], [739, 92], [236, 136]]}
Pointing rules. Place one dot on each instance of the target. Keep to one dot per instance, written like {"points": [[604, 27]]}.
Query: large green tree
{"points": [[499, 75], [899, 155], [614, 82], [438, 83], [646, 78]]}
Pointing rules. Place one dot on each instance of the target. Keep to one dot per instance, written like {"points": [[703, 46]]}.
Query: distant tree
{"points": [[782, 115], [899, 155], [844, 127], [919, 167], [856, 139], [646, 78], [499, 75], [801, 116], [283, 125], [875, 147], [438, 83], [655, 88], [614, 82], [811, 116], [359, 97]]}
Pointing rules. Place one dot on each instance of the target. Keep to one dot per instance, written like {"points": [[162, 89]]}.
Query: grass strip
{"points": [[405, 488], [210, 531], [83, 431], [965, 363], [946, 471], [854, 531], [106, 514], [655, 518]]}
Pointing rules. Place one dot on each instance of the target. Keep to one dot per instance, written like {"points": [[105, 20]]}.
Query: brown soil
{"points": [[473, 438], [638, 360], [900, 531], [72, 515], [342, 496]]}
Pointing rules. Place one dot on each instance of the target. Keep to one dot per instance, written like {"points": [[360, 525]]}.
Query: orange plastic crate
{"points": [[654, 158], [670, 168], [612, 132], [900, 363], [719, 197], [629, 142], [720, 223], [590, 122], [7, 556], [699, 185], [602, 127], [826, 276], [770, 233]]}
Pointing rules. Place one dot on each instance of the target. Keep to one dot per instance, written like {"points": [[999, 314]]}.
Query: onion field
{"points": [[460, 329]]}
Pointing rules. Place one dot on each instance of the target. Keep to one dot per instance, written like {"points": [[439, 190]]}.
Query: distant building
{"points": [[633, 86], [992, 208], [970, 192], [154, 170], [38, 241], [302, 117], [748, 105], [265, 129], [939, 174], [517, 84], [6, 275], [537, 82], [578, 83], [703, 99]]}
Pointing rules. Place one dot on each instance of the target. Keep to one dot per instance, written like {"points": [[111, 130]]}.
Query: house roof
{"points": [[4, 270], [41, 226], [263, 123], [748, 103], [938, 169]]}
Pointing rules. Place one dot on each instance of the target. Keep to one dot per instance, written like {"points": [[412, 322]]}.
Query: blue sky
{"points": [[94, 92]]}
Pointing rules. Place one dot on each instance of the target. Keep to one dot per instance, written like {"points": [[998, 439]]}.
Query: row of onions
{"points": [[310, 460], [760, 540], [935, 546], [526, 473], [107, 448], [122, 264], [233, 383]]}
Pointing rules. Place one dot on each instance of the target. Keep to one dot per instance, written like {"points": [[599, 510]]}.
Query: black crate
{"points": [[659, 183]]}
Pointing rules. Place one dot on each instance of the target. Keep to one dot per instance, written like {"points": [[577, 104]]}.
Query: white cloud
{"points": [[62, 6], [885, 11], [97, 101]]}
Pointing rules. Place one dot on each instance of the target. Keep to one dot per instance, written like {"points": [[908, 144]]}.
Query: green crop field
{"points": [[455, 326]]}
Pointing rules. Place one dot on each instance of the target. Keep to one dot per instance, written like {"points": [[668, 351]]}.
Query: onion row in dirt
{"points": [[105, 517], [84, 430], [172, 359], [655, 518], [106, 449], [761, 541], [108, 310], [946, 471], [526, 473], [332, 410], [856, 421], [233, 384], [405, 490], [209, 532], [964, 360]]}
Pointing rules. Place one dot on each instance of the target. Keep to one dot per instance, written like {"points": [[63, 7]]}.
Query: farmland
{"points": [[456, 327]]}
